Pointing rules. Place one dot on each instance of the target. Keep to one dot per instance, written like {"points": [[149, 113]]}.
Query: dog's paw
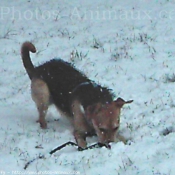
{"points": [[122, 139], [43, 124], [126, 141], [81, 143]]}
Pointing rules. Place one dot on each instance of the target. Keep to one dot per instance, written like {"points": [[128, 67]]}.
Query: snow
{"points": [[127, 46]]}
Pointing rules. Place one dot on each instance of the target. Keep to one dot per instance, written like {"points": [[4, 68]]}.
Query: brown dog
{"points": [[92, 106]]}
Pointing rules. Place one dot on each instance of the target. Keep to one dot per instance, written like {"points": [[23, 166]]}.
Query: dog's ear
{"points": [[120, 102]]}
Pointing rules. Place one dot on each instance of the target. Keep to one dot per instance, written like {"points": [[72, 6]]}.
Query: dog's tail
{"points": [[25, 49]]}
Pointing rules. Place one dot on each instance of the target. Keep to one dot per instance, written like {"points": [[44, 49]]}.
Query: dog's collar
{"points": [[81, 84]]}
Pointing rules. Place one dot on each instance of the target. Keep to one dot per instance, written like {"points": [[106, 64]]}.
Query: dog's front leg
{"points": [[80, 139], [80, 124]]}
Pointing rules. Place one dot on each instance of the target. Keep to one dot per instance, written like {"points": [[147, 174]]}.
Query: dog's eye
{"points": [[116, 128], [102, 129]]}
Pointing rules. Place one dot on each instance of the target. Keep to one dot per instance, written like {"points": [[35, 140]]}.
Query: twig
{"points": [[96, 145], [28, 163], [62, 146]]}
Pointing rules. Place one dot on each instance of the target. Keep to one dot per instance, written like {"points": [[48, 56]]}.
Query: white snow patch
{"points": [[131, 52]]}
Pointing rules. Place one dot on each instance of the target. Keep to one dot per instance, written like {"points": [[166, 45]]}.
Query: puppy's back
{"points": [[61, 78]]}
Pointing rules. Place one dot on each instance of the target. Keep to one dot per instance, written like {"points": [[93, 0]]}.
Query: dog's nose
{"points": [[110, 140]]}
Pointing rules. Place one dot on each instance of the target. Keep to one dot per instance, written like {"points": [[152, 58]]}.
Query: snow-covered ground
{"points": [[128, 46]]}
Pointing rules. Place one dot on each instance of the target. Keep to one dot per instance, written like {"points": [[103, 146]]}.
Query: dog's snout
{"points": [[109, 141]]}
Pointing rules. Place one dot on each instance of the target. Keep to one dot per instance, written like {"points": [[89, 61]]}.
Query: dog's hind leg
{"points": [[41, 96]]}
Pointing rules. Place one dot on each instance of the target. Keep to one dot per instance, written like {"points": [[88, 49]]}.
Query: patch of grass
{"points": [[120, 52], [76, 55], [124, 45], [170, 78], [7, 34], [167, 131], [65, 33], [126, 163], [96, 43]]}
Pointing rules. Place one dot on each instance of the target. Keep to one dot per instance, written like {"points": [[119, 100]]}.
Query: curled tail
{"points": [[25, 49]]}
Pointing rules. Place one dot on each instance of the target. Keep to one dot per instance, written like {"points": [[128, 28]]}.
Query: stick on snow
{"points": [[96, 145]]}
